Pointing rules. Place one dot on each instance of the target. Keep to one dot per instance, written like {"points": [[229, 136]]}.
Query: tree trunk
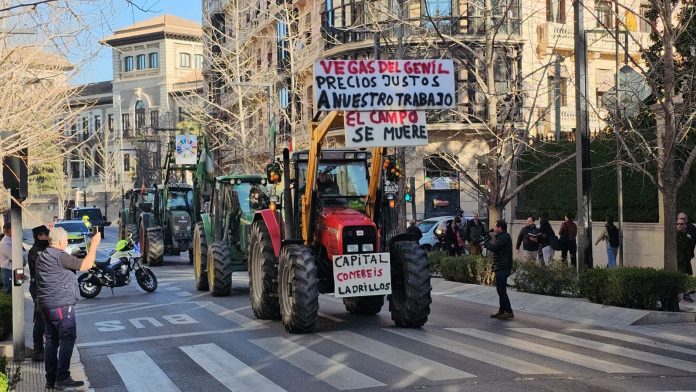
{"points": [[669, 228], [494, 214]]}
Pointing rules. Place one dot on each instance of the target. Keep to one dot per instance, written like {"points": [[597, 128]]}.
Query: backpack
{"points": [[554, 242], [613, 233]]}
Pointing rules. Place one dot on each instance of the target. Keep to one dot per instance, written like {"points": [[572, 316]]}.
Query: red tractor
{"points": [[331, 212]]}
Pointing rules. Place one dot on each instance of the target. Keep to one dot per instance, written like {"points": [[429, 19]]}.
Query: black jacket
{"points": [[39, 246], [524, 240], [501, 247]]}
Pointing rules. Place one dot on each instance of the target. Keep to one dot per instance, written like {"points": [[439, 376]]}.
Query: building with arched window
{"points": [[139, 103]]}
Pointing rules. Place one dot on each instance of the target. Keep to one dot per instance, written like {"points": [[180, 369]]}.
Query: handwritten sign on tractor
{"points": [[385, 128], [366, 85], [357, 275]]}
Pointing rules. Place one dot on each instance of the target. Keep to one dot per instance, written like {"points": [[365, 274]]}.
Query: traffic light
{"points": [[274, 173], [391, 169], [408, 197], [15, 174]]}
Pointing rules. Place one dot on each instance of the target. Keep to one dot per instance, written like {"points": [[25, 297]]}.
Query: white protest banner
{"points": [[385, 128], [357, 275], [367, 85], [186, 150]]}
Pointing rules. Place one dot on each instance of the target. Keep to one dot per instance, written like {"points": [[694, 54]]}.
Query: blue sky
{"points": [[99, 69]]}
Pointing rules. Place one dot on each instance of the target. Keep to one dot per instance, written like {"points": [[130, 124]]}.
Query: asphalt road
{"points": [[178, 339]]}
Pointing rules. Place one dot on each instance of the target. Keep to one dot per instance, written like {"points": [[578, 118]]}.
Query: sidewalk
{"points": [[675, 325]]}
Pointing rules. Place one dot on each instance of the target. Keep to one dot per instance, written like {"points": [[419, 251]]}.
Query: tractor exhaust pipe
{"points": [[287, 198]]}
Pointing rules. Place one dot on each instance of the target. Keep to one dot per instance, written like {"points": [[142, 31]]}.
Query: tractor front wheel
{"points": [[364, 305], [130, 230], [410, 299], [263, 274], [298, 289], [219, 269], [200, 256], [155, 247]]}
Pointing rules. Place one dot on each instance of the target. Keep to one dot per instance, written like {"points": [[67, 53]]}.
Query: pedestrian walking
{"points": [[528, 240], [501, 246], [453, 239], [6, 258], [612, 236], [56, 294], [40, 244], [547, 240], [474, 230], [567, 237], [691, 230], [685, 251]]}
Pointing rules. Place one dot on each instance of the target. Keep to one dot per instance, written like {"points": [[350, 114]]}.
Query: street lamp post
{"points": [[84, 182], [117, 100]]}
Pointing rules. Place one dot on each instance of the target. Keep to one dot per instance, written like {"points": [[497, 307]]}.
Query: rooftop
{"points": [[98, 88], [155, 28]]}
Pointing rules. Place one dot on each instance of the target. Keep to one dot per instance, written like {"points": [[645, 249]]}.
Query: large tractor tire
{"points": [[364, 305], [155, 247], [131, 230], [200, 256], [263, 274], [410, 299], [219, 269], [298, 289]]}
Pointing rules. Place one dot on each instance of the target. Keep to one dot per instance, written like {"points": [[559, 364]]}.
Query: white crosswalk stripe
{"points": [[552, 352], [413, 363], [323, 368], [636, 339], [486, 356], [612, 349], [228, 370], [140, 373]]}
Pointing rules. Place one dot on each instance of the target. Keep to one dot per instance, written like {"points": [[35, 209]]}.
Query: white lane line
{"points": [[232, 315], [171, 288], [113, 308], [323, 368], [473, 352], [140, 373], [636, 339], [228, 370], [159, 337], [612, 349], [551, 352], [410, 362], [330, 317], [183, 294]]}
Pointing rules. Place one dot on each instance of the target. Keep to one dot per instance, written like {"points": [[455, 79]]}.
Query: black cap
{"points": [[40, 230]]}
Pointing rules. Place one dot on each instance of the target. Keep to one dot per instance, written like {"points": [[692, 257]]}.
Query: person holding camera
{"points": [[501, 246]]}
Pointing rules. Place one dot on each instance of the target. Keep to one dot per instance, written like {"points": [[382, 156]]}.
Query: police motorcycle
{"points": [[116, 271]]}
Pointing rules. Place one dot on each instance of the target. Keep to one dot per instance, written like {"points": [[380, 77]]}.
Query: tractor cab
{"points": [[173, 212]]}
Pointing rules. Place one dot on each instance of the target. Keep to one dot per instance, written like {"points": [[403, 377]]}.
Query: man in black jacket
{"points": [[528, 240], [501, 246], [40, 244]]}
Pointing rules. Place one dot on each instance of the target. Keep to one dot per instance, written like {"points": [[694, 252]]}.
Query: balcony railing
{"points": [[560, 36], [339, 32]]}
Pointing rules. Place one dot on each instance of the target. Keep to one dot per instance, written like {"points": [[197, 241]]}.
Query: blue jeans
{"points": [[59, 336], [7, 280], [611, 255], [501, 287]]}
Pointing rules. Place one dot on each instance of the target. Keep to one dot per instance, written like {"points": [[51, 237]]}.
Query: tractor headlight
{"points": [[367, 248], [176, 227], [352, 248]]}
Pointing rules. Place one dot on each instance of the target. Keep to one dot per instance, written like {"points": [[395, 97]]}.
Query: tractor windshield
{"points": [[339, 179], [179, 199], [251, 197]]}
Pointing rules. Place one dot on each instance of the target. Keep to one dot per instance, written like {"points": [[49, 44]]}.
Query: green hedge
{"points": [[638, 288], [435, 258], [557, 279], [4, 382], [5, 316], [468, 269]]}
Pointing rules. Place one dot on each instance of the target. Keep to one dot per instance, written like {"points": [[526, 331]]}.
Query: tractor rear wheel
{"points": [[298, 289], [155, 247], [263, 274], [364, 305], [219, 269], [410, 299], [200, 256]]}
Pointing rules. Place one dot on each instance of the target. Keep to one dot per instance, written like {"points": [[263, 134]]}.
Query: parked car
{"points": [[430, 240], [78, 237]]}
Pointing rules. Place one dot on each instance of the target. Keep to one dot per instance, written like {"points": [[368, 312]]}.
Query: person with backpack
{"points": [[612, 236]]}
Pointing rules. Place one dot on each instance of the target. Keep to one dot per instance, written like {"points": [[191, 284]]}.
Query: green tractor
{"points": [[174, 213], [139, 220], [221, 237]]}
